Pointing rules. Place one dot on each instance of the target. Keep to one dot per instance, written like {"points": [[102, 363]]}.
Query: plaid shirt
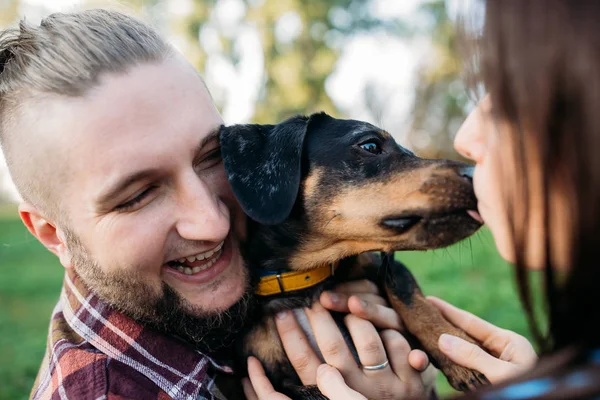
{"points": [[95, 352]]}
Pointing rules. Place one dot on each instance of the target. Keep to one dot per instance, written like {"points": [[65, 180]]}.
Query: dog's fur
{"points": [[321, 190]]}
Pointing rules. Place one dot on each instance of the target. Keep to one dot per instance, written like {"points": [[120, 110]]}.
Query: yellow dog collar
{"points": [[294, 280]]}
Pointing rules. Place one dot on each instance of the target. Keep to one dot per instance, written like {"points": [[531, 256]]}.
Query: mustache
{"points": [[162, 308]]}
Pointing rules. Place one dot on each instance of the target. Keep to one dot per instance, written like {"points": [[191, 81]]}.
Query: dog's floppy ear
{"points": [[263, 165]]}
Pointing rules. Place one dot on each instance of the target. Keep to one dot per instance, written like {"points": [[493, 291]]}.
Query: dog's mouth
{"points": [[476, 216], [403, 223]]}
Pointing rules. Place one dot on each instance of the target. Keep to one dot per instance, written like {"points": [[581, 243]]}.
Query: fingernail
{"points": [[446, 342], [281, 314], [334, 297], [363, 303]]}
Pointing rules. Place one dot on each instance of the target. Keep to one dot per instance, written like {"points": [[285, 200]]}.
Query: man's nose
{"points": [[201, 213]]}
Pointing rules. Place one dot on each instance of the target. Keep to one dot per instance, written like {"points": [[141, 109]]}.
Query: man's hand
{"points": [[398, 380], [362, 298], [506, 353], [343, 378], [329, 381]]}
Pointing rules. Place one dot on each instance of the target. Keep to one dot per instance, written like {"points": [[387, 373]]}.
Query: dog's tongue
{"points": [[475, 215]]}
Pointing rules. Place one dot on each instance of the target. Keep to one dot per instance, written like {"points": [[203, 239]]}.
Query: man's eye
{"points": [[215, 155], [129, 204], [371, 146], [211, 159]]}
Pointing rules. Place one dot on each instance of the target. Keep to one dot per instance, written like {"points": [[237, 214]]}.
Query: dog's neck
{"points": [[271, 247]]}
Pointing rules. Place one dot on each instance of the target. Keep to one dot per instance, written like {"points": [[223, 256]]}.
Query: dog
{"points": [[331, 200]]}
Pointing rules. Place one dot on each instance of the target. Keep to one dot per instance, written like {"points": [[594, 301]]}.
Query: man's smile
{"points": [[202, 267], [197, 262]]}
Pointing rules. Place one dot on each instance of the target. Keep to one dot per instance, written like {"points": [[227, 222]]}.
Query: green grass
{"points": [[30, 280], [470, 275]]}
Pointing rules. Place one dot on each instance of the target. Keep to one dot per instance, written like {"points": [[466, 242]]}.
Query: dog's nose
{"points": [[467, 172]]}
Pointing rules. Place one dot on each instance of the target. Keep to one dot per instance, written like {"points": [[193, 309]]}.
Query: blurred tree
{"points": [[441, 100], [301, 40], [8, 12]]}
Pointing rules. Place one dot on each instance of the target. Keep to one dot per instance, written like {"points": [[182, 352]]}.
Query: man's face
{"points": [[145, 193]]}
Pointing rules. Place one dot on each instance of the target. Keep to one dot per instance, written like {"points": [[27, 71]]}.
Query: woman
{"points": [[534, 140]]}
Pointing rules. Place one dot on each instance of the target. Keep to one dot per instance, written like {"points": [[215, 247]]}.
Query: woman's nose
{"points": [[469, 141]]}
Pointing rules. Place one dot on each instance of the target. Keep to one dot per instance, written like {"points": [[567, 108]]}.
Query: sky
{"points": [[386, 64]]}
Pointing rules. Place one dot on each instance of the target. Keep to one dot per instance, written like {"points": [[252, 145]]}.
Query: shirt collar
{"points": [[172, 365]]}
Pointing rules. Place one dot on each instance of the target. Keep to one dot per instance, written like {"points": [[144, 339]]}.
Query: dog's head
{"points": [[352, 186]]}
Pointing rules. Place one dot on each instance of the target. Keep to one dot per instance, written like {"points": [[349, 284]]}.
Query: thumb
{"points": [[472, 356], [331, 384]]}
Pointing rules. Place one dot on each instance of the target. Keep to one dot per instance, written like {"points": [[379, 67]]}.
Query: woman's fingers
{"points": [[332, 385], [501, 343], [329, 339], [472, 356], [263, 389], [297, 347], [472, 325]]}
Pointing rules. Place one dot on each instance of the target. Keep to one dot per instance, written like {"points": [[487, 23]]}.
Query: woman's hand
{"points": [[506, 353]]}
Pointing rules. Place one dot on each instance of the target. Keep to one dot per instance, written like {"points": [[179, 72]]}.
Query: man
{"points": [[110, 137]]}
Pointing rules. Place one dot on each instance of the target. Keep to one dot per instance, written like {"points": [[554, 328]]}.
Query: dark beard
{"points": [[209, 333], [165, 311]]}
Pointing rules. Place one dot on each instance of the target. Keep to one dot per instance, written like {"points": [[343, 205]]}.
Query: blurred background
{"points": [[393, 63]]}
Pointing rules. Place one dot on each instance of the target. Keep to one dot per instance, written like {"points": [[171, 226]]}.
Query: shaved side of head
{"points": [[46, 66]]}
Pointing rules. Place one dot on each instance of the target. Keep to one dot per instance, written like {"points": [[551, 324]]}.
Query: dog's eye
{"points": [[371, 146]]}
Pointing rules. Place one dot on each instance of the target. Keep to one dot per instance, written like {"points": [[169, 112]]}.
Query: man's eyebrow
{"points": [[122, 184], [213, 135], [130, 179]]}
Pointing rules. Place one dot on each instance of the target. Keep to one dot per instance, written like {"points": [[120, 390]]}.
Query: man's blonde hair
{"points": [[64, 56]]}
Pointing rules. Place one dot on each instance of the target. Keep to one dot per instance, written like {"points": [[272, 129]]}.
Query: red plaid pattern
{"points": [[96, 352]]}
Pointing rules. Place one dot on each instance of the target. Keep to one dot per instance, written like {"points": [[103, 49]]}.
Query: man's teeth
{"points": [[201, 256], [190, 271]]}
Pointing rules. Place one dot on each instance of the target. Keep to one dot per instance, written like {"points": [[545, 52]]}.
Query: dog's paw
{"points": [[463, 379]]}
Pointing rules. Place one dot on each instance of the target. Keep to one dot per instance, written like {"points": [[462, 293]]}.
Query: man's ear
{"points": [[263, 165], [46, 232]]}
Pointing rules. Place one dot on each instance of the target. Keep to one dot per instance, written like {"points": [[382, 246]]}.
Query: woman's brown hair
{"points": [[539, 61]]}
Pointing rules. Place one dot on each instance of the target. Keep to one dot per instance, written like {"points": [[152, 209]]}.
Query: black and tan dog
{"points": [[322, 193]]}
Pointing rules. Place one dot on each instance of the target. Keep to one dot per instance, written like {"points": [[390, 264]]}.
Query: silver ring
{"points": [[376, 367]]}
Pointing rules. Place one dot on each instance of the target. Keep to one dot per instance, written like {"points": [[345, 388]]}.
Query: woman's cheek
{"points": [[492, 207]]}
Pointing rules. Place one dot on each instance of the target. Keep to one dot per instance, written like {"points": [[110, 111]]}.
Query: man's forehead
{"points": [[155, 96], [126, 120]]}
